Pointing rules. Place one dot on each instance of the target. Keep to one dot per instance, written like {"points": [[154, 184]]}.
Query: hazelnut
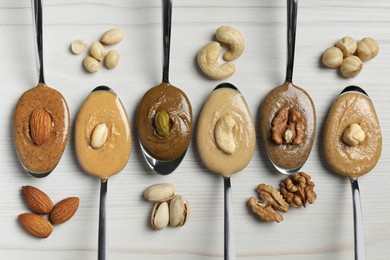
{"points": [[367, 49], [347, 45], [351, 66], [354, 135], [332, 57]]}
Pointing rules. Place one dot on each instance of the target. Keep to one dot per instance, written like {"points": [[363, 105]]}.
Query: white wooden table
{"points": [[320, 231]]}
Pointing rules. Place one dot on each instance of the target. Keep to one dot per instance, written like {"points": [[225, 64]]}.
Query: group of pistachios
{"points": [[97, 51], [349, 55], [169, 208]]}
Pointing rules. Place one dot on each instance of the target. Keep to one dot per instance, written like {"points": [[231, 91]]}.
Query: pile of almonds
{"points": [[350, 55], [97, 51], [41, 204], [168, 208]]}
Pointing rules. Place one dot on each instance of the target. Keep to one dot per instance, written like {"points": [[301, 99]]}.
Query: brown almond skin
{"points": [[36, 225], [36, 200], [40, 126], [64, 210]]}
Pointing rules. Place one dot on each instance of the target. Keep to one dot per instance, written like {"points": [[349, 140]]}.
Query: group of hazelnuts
{"points": [[349, 55]]}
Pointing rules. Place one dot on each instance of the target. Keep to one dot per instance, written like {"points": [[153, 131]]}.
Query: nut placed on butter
{"points": [[40, 126], [224, 135], [354, 135], [99, 136], [160, 192], [179, 211], [162, 123]]}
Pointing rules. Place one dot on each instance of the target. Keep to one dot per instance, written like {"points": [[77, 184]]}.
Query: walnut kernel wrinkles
{"points": [[288, 119], [269, 205], [298, 189]]}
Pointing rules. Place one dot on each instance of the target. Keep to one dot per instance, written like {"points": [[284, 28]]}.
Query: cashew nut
{"points": [[224, 134], [234, 39], [354, 135], [208, 62]]}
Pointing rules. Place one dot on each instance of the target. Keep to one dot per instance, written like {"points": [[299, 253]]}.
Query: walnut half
{"points": [[270, 202], [288, 126], [298, 189]]}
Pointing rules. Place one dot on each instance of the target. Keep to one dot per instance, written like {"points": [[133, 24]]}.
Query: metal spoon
{"points": [[56, 100], [160, 166], [359, 246], [208, 155], [82, 121], [292, 96]]}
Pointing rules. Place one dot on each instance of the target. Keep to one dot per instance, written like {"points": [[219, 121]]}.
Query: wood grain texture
{"points": [[319, 232]]}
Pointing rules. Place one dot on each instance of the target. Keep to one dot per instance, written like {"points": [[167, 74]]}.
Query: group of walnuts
{"points": [[295, 191]]}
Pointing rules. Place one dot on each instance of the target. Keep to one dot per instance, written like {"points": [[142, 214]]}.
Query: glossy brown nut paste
{"points": [[41, 159], [175, 102]]}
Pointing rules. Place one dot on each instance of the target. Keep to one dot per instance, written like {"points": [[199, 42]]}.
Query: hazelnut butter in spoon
{"points": [[41, 118], [353, 146], [103, 144]]}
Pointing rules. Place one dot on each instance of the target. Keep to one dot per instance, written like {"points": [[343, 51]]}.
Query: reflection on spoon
{"points": [[353, 106], [288, 117], [164, 117], [102, 144], [226, 140], [41, 119]]}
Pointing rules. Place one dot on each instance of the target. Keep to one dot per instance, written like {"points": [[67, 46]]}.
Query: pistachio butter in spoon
{"points": [[353, 146], [226, 139], [288, 117], [103, 144], [164, 116], [41, 118]]}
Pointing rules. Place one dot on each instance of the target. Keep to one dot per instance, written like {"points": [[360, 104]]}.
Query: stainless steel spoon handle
{"points": [[167, 24], [102, 250], [229, 249], [292, 8], [360, 251], [38, 37]]}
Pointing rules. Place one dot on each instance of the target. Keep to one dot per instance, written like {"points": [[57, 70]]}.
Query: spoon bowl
{"points": [[164, 153], [288, 109]]}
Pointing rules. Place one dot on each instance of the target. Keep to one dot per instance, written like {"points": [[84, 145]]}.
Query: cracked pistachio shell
{"points": [[160, 192], [160, 216], [179, 211]]}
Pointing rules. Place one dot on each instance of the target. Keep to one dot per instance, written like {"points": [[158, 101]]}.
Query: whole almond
{"points": [[64, 210], [36, 225], [36, 200], [40, 126], [112, 36]]}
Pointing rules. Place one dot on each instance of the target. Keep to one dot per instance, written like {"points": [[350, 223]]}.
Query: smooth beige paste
{"points": [[352, 161], [41, 159], [222, 102], [103, 106], [175, 102], [288, 156]]}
